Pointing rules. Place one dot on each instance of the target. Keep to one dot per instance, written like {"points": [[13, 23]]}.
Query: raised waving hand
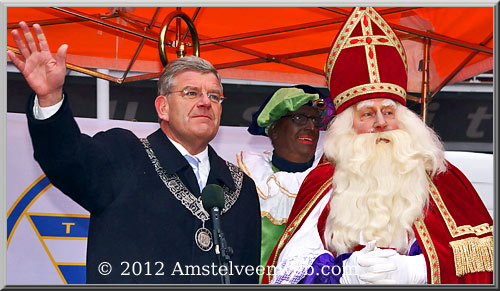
{"points": [[44, 73]]}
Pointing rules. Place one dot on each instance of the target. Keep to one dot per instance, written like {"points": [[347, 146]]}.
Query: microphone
{"points": [[212, 198]]}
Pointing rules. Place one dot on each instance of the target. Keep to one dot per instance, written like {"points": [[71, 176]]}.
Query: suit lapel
{"points": [[172, 161], [219, 171]]}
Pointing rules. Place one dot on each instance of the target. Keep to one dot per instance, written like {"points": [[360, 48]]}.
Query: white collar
{"points": [[203, 165], [202, 156]]}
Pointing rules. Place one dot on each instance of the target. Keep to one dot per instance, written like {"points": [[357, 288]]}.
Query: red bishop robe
{"points": [[455, 235]]}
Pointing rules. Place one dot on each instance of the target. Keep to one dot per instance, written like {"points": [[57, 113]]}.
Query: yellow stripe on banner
{"points": [[46, 249], [60, 215], [24, 193], [27, 207], [63, 237]]}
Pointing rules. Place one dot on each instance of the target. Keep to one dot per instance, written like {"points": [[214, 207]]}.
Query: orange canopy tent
{"points": [[274, 44]]}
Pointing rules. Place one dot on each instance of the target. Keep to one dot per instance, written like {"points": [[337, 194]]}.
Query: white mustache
{"points": [[372, 130]]}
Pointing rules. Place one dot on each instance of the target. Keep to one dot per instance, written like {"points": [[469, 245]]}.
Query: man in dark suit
{"points": [[147, 221]]}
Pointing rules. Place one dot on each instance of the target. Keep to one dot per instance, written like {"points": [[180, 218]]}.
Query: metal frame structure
{"points": [[143, 28]]}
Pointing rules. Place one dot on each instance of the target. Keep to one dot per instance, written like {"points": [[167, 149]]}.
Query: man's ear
{"points": [[162, 108], [271, 132]]}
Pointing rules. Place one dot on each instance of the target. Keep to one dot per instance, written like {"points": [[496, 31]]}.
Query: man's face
{"points": [[293, 141], [375, 115], [197, 119]]}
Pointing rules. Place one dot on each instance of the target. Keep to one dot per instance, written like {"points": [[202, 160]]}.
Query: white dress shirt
{"points": [[204, 163]]}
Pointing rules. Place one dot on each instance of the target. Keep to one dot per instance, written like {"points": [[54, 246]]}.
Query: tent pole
{"points": [[102, 96], [425, 77]]}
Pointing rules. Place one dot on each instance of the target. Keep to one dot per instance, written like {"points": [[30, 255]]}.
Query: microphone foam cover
{"points": [[212, 195]]}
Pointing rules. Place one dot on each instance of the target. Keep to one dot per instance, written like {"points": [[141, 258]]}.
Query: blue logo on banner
{"points": [[61, 226]]}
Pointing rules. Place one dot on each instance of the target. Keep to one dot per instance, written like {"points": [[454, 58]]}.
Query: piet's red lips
{"points": [[306, 139]]}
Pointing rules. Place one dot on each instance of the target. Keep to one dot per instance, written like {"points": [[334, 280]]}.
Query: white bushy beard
{"points": [[379, 188]]}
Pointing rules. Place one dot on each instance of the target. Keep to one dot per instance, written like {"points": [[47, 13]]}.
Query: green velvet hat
{"points": [[282, 101]]}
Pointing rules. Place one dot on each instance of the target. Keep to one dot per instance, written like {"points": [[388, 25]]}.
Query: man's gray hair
{"points": [[189, 63]]}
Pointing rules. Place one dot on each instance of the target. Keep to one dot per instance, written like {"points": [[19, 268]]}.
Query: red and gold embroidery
{"points": [[389, 33], [435, 273], [340, 42], [455, 231], [371, 57], [367, 16], [368, 88], [292, 226]]}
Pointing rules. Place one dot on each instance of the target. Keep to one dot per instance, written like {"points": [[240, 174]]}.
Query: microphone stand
{"points": [[223, 251]]}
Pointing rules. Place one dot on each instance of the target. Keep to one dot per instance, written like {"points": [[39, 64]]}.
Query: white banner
{"points": [[47, 231]]}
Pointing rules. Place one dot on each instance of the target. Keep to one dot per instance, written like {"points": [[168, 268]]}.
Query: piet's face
{"points": [[295, 135], [375, 115]]}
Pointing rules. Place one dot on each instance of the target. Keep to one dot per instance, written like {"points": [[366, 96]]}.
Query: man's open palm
{"points": [[44, 74]]}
